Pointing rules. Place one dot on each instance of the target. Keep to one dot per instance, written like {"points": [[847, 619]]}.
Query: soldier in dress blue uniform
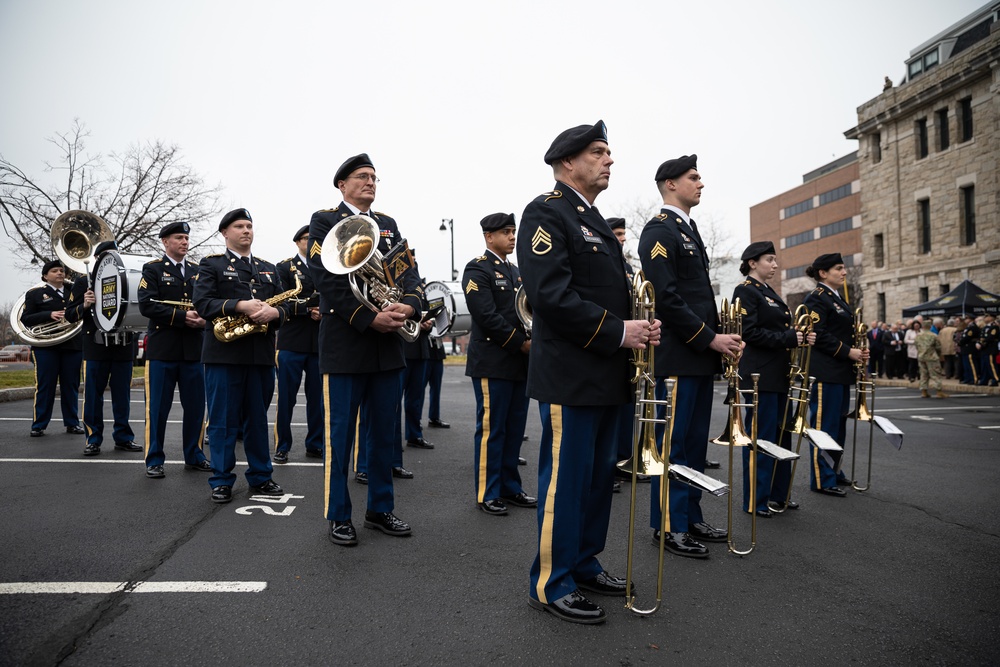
{"points": [[298, 351], [414, 384], [769, 335], [968, 350], [435, 374], [174, 340], [833, 365], [239, 374], [54, 363], [674, 259], [498, 365], [573, 269], [360, 357], [105, 358], [988, 346]]}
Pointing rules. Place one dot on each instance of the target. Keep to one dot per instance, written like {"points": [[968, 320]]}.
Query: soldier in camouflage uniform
{"points": [[929, 358]]}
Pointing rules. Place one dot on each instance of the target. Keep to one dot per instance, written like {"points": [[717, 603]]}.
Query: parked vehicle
{"points": [[12, 353]]}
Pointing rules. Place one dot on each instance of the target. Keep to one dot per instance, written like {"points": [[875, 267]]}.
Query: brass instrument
{"points": [[183, 304], [352, 249], [864, 401], [231, 327], [523, 309], [793, 419], [74, 235]]}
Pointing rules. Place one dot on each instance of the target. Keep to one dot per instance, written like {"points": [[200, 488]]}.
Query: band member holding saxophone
{"points": [[833, 366], [46, 305], [231, 291], [173, 351], [360, 358], [769, 334], [674, 259], [573, 269], [498, 365]]}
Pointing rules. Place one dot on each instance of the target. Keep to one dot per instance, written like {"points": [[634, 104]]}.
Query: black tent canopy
{"points": [[967, 298]]}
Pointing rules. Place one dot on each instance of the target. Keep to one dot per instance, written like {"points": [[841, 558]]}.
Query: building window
{"points": [[848, 260], [795, 272], [801, 207], [838, 227], [968, 215], [920, 132], [941, 118], [881, 306], [915, 67], [945, 288], [799, 239], [879, 251], [924, 220], [924, 295], [930, 59], [835, 194], [965, 118], [876, 147]]}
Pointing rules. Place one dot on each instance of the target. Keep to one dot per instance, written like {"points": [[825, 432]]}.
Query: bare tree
{"points": [[636, 213], [136, 192]]}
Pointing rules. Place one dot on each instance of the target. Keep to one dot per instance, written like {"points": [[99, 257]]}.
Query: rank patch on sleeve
{"points": [[658, 251], [471, 286], [315, 249], [142, 283], [541, 242]]}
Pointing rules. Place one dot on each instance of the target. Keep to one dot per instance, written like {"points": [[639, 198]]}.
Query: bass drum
{"points": [[454, 318], [116, 287]]}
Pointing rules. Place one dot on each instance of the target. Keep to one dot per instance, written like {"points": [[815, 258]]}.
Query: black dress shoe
{"points": [[437, 423], [712, 464], [387, 523], [37, 432], [128, 446], [154, 471], [494, 507], [573, 608], [75, 430], [521, 500], [605, 584], [268, 488], [842, 480], [419, 443], [361, 477], [706, 533], [92, 450], [280, 457], [777, 507], [401, 473], [524, 438], [832, 491], [521, 461], [763, 514], [222, 494], [343, 533], [681, 544], [201, 466], [314, 453]]}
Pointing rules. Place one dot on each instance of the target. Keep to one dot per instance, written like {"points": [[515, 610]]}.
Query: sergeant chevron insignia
{"points": [[142, 283], [658, 251], [541, 242], [814, 316], [315, 249], [471, 286]]}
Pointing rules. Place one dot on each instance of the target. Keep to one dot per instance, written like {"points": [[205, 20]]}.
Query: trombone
{"points": [[864, 401], [793, 419]]}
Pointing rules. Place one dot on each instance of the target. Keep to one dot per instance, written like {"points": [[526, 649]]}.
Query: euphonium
{"points": [[523, 309], [230, 327]]}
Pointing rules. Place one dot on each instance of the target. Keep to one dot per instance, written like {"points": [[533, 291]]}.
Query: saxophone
{"points": [[230, 327]]}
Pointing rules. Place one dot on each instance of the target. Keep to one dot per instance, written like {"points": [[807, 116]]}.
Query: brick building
{"points": [[929, 164], [822, 215]]}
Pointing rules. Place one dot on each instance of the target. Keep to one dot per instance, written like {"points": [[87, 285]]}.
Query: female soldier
{"points": [[769, 334], [833, 365]]}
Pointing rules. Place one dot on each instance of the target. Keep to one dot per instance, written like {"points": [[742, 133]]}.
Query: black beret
{"points": [[672, 169], [572, 141], [175, 228], [756, 249], [827, 262], [303, 231], [495, 221], [51, 264], [105, 246], [616, 223], [233, 216], [350, 165]]}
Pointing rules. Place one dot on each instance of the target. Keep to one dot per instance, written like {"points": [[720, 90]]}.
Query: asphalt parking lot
{"points": [[104, 566]]}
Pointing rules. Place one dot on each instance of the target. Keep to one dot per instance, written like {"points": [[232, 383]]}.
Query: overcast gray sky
{"points": [[455, 102]]}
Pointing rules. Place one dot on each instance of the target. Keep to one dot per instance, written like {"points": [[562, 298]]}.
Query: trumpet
{"points": [[793, 419], [183, 304], [864, 401], [231, 327]]}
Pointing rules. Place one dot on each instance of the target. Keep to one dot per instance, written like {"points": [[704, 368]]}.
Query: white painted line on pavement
{"points": [[106, 587], [955, 407], [989, 427], [290, 464]]}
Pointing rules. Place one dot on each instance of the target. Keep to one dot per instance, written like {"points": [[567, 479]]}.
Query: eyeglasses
{"points": [[366, 177]]}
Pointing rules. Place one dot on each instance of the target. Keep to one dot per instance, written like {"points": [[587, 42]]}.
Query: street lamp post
{"points": [[448, 224]]}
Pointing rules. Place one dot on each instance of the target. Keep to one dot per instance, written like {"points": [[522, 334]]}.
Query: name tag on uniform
{"points": [[690, 246], [593, 239], [501, 283], [230, 274], [167, 279]]}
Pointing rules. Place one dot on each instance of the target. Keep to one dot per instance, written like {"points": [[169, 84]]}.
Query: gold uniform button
{"points": [[594, 248]]}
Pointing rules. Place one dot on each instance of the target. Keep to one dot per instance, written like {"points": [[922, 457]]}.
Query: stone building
{"points": [[822, 215], [929, 164]]}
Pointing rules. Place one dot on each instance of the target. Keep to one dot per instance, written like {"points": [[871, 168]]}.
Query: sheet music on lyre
{"points": [[697, 479], [892, 432]]}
